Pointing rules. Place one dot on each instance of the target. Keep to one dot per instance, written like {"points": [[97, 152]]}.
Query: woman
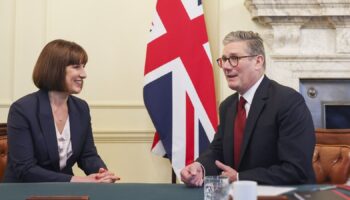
{"points": [[50, 130]]}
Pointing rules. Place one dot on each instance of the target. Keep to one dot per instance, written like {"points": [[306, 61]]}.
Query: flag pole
{"points": [[173, 176]]}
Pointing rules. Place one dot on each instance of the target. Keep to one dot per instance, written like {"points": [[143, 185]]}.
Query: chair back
{"points": [[331, 159], [3, 149], [331, 163], [333, 136]]}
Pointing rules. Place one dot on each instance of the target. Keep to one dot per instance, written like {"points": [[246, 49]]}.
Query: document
{"points": [[321, 195], [273, 190]]}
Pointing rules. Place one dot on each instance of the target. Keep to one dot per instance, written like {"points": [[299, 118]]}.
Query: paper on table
{"points": [[264, 190], [273, 190]]}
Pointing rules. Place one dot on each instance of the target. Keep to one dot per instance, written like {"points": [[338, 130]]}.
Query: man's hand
{"points": [[227, 171], [192, 175]]}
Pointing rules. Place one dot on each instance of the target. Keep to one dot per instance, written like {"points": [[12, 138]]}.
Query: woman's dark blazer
{"points": [[33, 151]]}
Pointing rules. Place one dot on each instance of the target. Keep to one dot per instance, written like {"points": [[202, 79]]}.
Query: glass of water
{"points": [[216, 188]]}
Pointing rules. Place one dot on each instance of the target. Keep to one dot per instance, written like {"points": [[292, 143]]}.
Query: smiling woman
{"points": [[50, 130], [74, 78], [53, 63]]}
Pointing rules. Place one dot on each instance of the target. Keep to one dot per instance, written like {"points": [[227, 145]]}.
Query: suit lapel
{"points": [[228, 137], [256, 108], [75, 127], [48, 127]]}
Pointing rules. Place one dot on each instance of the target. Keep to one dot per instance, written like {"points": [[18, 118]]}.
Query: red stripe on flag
{"points": [[155, 139], [184, 37], [189, 131]]}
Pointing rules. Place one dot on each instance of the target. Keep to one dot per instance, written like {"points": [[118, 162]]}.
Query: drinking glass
{"points": [[216, 188]]}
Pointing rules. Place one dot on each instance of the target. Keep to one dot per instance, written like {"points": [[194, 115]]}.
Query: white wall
{"points": [[115, 35]]}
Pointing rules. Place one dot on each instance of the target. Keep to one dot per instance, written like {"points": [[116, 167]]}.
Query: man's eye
{"points": [[224, 59]]}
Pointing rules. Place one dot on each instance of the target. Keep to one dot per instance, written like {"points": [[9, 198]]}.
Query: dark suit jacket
{"points": [[278, 142], [33, 151]]}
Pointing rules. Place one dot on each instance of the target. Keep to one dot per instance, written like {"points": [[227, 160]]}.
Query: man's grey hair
{"points": [[254, 41]]}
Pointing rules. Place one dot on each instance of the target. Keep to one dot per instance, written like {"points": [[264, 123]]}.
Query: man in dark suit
{"points": [[266, 133]]}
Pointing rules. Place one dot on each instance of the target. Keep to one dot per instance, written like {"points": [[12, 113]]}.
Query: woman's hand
{"points": [[103, 176]]}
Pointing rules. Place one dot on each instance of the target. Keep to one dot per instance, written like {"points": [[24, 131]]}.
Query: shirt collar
{"points": [[249, 95]]}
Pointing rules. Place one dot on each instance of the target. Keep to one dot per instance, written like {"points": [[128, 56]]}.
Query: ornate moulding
{"points": [[307, 38], [288, 18]]}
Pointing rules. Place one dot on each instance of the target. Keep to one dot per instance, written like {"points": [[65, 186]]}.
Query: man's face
{"points": [[247, 71]]}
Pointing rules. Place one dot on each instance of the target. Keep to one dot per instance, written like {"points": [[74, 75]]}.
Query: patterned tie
{"points": [[239, 130]]}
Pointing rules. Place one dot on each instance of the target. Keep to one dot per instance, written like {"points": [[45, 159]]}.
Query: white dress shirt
{"points": [[249, 95], [64, 144]]}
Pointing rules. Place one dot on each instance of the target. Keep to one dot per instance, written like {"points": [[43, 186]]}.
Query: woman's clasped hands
{"points": [[103, 176]]}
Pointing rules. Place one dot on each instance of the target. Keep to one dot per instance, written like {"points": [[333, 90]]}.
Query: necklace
{"points": [[60, 114]]}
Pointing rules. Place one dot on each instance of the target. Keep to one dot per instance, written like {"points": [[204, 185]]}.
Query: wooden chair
{"points": [[3, 149], [331, 159]]}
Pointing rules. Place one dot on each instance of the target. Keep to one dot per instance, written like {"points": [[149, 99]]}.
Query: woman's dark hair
{"points": [[50, 69]]}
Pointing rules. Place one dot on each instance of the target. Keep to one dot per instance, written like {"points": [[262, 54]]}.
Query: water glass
{"points": [[216, 188]]}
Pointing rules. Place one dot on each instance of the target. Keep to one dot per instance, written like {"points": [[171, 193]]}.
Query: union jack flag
{"points": [[179, 91]]}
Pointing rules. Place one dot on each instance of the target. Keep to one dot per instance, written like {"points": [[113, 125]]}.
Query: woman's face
{"points": [[75, 75]]}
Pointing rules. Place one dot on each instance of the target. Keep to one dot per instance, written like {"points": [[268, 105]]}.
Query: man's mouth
{"points": [[231, 75]]}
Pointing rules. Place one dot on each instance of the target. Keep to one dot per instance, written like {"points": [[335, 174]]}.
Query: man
{"points": [[266, 133]]}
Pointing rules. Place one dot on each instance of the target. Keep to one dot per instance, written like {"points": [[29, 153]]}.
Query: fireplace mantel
{"points": [[306, 39], [288, 19], [311, 8], [309, 47]]}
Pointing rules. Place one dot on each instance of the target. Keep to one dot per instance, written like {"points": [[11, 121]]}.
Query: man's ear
{"points": [[260, 61]]}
